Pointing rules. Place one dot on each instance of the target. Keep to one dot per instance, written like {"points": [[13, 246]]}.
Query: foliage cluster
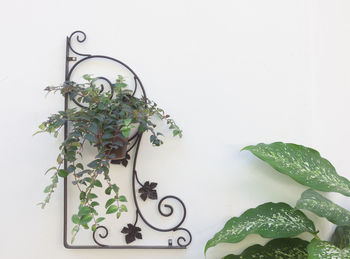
{"points": [[281, 222], [104, 118]]}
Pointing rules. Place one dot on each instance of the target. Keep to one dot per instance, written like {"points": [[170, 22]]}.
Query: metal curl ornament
{"points": [[80, 40], [100, 235], [132, 231]]}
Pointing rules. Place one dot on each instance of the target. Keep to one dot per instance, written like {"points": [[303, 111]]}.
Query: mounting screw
{"points": [[72, 58], [170, 242]]}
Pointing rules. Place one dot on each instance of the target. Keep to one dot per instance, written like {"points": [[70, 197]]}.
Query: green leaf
{"points": [[293, 248], [304, 165], [94, 204], [318, 249], [122, 198], [93, 227], [84, 211], [48, 188], [97, 183], [123, 208], [82, 195], [127, 121], [112, 209], [341, 236], [322, 207], [70, 169], [93, 128], [91, 196], [118, 215], [126, 132], [85, 219], [269, 220], [87, 77], [91, 138], [94, 164], [107, 136], [115, 188], [75, 219], [52, 168], [98, 220], [80, 166], [110, 202], [59, 159], [108, 190], [62, 173], [75, 229], [85, 226]]}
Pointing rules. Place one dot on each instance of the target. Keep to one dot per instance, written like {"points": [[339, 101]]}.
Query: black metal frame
{"points": [[181, 241]]}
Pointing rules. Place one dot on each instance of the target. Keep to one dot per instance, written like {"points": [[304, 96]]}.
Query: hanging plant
{"points": [[104, 120]]}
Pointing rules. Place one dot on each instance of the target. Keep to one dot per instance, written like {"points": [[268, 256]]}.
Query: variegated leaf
{"points": [[341, 237], [321, 206], [269, 220], [281, 248], [304, 165], [318, 249]]}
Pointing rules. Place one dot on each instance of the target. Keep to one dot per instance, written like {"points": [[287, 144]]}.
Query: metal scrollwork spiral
{"points": [[104, 235], [78, 34], [182, 241]]}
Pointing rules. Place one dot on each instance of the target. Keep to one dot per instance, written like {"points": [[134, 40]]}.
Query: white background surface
{"points": [[232, 73]]}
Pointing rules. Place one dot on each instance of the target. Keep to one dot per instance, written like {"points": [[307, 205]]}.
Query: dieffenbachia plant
{"points": [[281, 222]]}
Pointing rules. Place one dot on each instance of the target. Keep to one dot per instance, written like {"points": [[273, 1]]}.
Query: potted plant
{"points": [[104, 120]]}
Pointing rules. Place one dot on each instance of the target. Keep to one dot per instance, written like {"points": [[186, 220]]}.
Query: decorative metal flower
{"points": [[147, 191], [124, 161], [132, 232]]}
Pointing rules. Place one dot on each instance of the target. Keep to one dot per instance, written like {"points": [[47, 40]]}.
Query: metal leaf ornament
{"points": [[148, 191], [132, 232], [124, 161]]}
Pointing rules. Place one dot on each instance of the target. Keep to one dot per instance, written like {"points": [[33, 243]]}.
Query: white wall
{"points": [[232, 73]]}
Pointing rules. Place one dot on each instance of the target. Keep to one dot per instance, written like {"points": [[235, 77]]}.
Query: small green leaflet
{"points": [[84, 211], [98, 183], [122, 198], [99, 219], [75, 219], [85, 219], [269, 220], [91, 196], [110, 202], [341, 237], [112, 209], [292, 248], [304, 165], [322, 207], [318, 249], [62, 173]]}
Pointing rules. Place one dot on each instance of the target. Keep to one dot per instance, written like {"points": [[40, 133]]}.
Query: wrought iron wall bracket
{"points": [[147, 189]]}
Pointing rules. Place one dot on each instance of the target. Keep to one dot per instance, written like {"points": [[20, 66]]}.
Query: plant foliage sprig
{"points": [[106, 115], [278, 220]]}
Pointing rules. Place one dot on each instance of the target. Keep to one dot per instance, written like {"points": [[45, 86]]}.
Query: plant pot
{"points": [[119, 153]]}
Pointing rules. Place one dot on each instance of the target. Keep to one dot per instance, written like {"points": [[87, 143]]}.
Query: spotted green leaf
{"points": [[281, 248], [304, 165], [321, 206], [318, 249], [269, 220], [341, 236]]}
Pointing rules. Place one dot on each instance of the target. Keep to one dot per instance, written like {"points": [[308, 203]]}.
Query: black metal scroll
{"points": [[146, 190]]}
